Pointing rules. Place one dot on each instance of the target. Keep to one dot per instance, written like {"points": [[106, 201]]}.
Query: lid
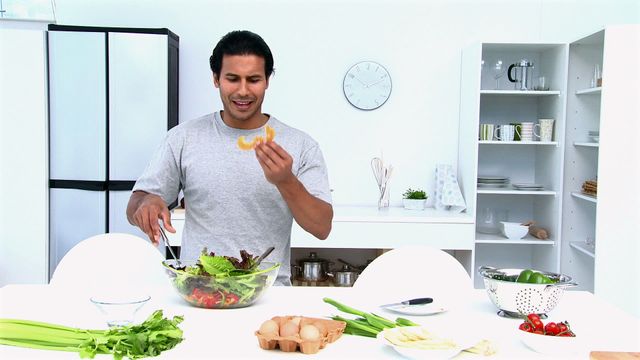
{"points": [[313, 257], [525, 63], [346, 269]]}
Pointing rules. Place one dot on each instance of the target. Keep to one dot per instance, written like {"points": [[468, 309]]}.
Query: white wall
{"points": [[23, 158], [315, 42]]}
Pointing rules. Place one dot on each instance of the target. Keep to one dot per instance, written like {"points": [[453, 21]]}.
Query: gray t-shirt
{"points": [[229, 203]]}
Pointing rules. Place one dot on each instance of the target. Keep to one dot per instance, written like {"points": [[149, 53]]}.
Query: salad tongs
{"points": [[166, 244]]}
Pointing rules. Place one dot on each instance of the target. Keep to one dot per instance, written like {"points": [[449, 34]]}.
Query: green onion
{"points": [[154, 335], [368, 324]]}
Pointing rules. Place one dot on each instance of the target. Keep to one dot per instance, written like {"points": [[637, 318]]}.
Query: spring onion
{"points": [[367, 324]]}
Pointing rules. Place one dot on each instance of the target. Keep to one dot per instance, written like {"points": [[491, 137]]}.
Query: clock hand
{"points": [[360, 81], [379, 81]]}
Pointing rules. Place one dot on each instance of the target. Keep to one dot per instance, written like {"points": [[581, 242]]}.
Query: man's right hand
{"points": [[144, 210]]}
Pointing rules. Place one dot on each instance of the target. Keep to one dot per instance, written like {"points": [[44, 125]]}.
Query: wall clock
{"points": [[367, 85]]}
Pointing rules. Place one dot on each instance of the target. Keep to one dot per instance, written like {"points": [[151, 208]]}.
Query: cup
{"points": [[486, 132], [506, 132], [546, 129], [528, 131], [517, 131], [596, 80], [541, 84]]}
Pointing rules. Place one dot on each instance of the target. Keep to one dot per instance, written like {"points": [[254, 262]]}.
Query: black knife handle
{"points": [[420, 301]]}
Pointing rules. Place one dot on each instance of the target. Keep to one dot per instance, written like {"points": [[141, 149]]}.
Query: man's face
{"points": [[242, 83]]}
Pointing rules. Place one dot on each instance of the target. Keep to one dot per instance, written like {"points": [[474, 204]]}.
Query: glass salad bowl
{"points": [[226, 291]]}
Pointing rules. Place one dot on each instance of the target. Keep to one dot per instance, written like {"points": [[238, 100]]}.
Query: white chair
{"points": [[414, 272], [111, 261]]}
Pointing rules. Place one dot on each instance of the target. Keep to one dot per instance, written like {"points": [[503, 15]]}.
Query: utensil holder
{"points": [[383, 200]]}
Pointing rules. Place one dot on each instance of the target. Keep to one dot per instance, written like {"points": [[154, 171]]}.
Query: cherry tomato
{"points": [[525, 326], [541, 332], [562, 327], [535, 322], [551, 329]]}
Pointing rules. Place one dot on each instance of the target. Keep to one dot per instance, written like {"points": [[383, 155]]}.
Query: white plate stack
{"points": [[528, 187], [492, 181]]}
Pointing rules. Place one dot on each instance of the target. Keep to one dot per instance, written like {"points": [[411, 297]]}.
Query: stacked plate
{"points": [[492, 181], [528, 187]]}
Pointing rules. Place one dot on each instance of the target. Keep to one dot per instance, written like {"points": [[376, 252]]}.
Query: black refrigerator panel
{"points": [[77, 106], [74, 215]]}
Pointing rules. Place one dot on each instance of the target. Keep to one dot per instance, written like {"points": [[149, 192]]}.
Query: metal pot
{"points": [[344, 277], [312, 268]]}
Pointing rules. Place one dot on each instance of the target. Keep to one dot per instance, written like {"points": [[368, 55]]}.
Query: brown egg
{"points": [[269, 328], [289, 328], [309, 333], [296, 319]]}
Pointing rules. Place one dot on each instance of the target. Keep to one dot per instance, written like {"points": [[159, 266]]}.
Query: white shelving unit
{"points": [[613, 218], [523, 162]]}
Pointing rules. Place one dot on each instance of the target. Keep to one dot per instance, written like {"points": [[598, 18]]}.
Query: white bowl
{"points": [[513, 231], [553, 345]]}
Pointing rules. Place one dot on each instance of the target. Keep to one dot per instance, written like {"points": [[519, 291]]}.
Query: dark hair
{"points": [[241, 42]]}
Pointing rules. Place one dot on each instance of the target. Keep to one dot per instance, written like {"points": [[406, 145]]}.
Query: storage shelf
{"points": [[519, 92], [500, 239], [582, 247], [590, 91], [511, 191], [495, 142], [586, 197], [587, 144]]}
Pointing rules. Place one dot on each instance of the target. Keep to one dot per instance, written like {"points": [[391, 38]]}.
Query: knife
{"points": [[418, 301]]}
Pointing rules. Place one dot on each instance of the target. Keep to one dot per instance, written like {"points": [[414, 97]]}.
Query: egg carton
{"points": [[330, 331]]}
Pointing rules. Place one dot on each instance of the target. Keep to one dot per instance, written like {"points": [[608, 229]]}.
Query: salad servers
{"points": [[166, 244], [264, 255]]}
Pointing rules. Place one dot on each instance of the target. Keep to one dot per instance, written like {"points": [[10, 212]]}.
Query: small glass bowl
{"points": [[120, 311]]}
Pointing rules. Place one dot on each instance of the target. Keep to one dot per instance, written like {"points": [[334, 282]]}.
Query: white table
{"points": [[225, 334]]}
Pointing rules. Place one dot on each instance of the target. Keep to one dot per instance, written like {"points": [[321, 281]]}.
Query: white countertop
{"points": [[225, 334], [394, 214]]}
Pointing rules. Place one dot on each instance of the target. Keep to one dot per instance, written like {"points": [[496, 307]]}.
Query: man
{"points": [[235, 199]]}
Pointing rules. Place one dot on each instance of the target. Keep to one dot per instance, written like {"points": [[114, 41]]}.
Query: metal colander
{"points": [[516, 299]]}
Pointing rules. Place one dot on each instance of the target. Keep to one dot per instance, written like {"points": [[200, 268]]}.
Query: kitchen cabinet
{"points": [[600, 247], [358, 229], [113, 94], [612, 219], [487, 97]]}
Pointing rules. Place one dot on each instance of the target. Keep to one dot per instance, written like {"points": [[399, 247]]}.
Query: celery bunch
{"points": [[367, 324], [150, 338]]}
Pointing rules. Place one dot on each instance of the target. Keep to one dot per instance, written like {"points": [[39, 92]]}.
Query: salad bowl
{"points": [[223, 291]]}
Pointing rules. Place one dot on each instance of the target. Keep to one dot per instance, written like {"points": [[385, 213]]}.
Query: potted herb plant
{"points": [[414, 199]]}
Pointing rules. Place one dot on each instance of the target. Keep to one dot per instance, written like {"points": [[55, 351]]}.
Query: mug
{"points": [[546, 129], [517, 131], [486, 132], [506, 132], [528, 131]]}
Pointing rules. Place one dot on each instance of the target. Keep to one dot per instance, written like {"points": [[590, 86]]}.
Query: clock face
{"points": [[367, 85]]}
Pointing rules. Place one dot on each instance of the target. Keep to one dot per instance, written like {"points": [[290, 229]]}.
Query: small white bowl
{"points": [[552, 345], [513, 230]]}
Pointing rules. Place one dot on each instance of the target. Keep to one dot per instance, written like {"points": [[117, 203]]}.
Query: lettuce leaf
{"points": [[216, 265]]}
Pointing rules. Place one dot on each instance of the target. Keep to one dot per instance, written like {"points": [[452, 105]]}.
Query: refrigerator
{"points": [[112, 96]]}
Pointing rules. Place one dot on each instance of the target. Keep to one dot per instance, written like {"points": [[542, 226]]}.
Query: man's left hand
{"points": [[275, 162]]}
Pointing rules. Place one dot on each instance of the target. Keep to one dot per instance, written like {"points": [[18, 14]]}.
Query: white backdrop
{"points": [[315, 42]]}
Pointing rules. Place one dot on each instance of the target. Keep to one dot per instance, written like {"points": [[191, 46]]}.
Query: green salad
{"points": [[215, 281]]}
